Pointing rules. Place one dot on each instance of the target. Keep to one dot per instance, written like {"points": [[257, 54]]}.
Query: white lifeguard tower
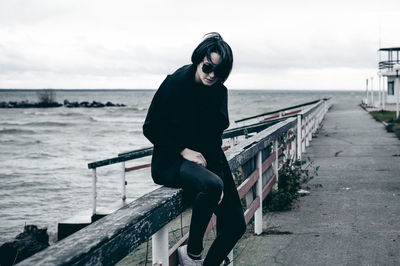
{"points": [[389, 63]]}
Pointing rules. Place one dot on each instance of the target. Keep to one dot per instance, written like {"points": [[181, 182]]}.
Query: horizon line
{"points": [[125, 89]]}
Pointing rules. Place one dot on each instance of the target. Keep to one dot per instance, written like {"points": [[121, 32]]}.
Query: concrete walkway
{"points": [[352, 216]]}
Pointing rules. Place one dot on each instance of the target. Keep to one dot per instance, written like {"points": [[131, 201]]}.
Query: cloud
{"points": [[135, 44], [17, 13]]}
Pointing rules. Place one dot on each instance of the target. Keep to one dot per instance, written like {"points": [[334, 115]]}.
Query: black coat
{"points": [[185, 114]]}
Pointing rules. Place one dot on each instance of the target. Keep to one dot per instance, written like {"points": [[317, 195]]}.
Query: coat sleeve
{"points": [[158, 127]]}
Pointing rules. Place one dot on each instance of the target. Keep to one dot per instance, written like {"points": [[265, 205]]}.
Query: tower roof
{"points": [[390, 49]]}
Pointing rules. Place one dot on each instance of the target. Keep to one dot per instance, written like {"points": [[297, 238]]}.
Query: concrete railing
{"points": [[259, 158]]}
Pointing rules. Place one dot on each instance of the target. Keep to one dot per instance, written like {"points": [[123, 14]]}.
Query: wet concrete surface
{"points": [[351, 216]]}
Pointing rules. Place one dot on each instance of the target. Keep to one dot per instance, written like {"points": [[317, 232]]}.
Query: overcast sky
{"points": [[284, 44]]}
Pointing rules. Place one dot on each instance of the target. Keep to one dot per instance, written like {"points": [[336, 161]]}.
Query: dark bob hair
{"points": [[213, 42]]}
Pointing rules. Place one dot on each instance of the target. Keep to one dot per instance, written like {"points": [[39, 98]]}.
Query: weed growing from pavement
{"points": [[291, 178]]}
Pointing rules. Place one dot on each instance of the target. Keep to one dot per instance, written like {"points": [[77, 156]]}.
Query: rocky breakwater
{"points": [[27, 104], [27, 243], [93, 104]]}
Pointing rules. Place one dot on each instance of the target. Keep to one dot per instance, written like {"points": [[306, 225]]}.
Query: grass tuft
{"points": [[389, 117]]}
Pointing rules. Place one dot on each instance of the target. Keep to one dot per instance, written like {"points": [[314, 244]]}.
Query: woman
{"points": [[185, 122]]}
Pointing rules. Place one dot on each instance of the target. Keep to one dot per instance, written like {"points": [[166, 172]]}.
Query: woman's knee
{"points": [[201, 179], [214, 186]]}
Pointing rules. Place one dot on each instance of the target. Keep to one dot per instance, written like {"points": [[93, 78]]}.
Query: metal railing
{"points": [[268, 119], [388, 64], [281, 112]]}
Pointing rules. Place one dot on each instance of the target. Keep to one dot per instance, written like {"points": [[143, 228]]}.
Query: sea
{"points": [[44, 152]]}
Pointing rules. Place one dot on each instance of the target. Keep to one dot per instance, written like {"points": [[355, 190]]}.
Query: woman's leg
{"points": [[231, 226], [206, 188]]}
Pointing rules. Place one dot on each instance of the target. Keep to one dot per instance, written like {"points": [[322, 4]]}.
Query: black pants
{"points": [[205, 188]]}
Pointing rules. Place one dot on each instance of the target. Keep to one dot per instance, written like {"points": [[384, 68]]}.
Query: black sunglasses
{"points": [[208, 68]]}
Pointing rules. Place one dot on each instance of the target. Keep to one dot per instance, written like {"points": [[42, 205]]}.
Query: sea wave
{"points": [[16, 131], [20, 142], [140, 109], [42, 113], [116, 120], [92, 119], [138, 131], [10, 124], [47, 123], [40, 155], [70, 114]]}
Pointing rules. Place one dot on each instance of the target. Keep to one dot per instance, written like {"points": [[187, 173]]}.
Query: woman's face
{"points": [[207, 79]]}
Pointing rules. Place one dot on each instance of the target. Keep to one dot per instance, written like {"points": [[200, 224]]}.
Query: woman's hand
{"points": [[194, 156]]}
